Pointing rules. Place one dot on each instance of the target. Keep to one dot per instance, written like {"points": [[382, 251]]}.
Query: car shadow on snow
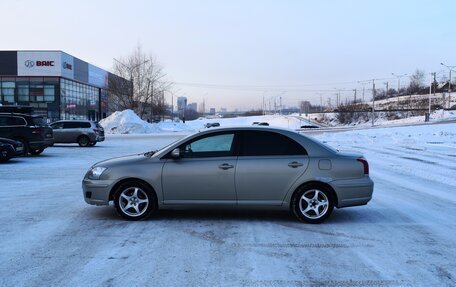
{"points": [[339, 217]]}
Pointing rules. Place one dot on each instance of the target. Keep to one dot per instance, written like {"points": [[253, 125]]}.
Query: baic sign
{"points": [[31, 64]]}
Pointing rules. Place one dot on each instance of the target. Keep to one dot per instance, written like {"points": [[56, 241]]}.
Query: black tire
{"points": [[92, 143], [36, 151], [83, 141], [25, 145], [144, 192], [313, 209]]}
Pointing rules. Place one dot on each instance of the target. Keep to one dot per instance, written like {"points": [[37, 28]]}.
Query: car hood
{"points": [[124, 160]]}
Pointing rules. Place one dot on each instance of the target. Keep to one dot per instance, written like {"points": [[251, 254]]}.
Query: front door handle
{"points": [[295, 164], [225, 166]]}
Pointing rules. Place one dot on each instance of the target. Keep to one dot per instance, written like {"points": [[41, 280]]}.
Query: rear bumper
{"points": [[353, 192], [41, 144]]}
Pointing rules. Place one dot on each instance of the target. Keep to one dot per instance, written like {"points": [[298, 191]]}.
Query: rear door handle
{"points": [[225, 166], [295, 164]]}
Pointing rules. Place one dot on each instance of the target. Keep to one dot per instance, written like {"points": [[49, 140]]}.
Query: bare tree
{"points": [[416, 82], [145, 92]]}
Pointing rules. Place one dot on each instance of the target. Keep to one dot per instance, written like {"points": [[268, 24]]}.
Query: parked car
{"points": [[10, 148], [263, 124], [212, 125], [309, 127], [85, 133], [233, 167], [31, 130]]}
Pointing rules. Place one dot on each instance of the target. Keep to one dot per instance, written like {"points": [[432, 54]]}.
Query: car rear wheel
{"points": [[135, 200], [36, 151], [313, 203], [83, 141]]}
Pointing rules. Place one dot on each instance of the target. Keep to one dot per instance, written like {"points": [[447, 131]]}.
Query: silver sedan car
{"points": [[245, 167]]}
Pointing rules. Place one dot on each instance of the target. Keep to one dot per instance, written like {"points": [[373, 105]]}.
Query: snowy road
{"points": [[406, 236]]}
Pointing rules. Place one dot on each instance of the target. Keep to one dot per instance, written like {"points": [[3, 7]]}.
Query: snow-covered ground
{"points": [[381, 119], [406, 236]]}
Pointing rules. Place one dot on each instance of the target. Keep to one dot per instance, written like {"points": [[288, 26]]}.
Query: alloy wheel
{"points": [[133, 201], [313, 204]]}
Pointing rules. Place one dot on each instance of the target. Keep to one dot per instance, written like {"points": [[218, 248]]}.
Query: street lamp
{"points": [[450, 68], [398, 82]]}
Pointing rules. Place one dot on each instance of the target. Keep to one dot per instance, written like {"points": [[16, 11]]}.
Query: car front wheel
{"points": [[135, 200], [313, 203]]}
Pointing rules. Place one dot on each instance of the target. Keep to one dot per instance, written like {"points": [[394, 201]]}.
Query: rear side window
{"points": [[264, 143], [76, 125], [37, 121], [12, 121]]}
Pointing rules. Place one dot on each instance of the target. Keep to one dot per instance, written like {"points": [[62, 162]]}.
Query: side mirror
{"points": [[175, 153]]}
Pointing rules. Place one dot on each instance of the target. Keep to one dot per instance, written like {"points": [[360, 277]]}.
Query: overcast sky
{"points": [[234, 53]]}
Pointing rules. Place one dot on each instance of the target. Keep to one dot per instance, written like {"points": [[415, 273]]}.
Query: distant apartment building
{"points": [[212, 111], [181, 103]]}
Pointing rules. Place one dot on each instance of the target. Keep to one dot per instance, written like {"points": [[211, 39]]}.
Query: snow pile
{"points": [[127, 122], [280, 121]]}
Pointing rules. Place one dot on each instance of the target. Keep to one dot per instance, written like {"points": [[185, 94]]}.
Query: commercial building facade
{"points": [[56, 84]]}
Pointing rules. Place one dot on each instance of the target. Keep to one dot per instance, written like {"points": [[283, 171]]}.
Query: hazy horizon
{"points": [[234, 53]]}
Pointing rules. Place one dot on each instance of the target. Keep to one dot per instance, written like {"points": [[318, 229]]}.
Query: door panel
{"points": [[199, 181], [265, 180]]}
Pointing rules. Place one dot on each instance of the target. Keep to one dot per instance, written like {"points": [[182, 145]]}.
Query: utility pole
{"points": [[449, 83], [280, 105], [386, 94], [263, 106], [373, 101], [430, 92], [355, 97], [321, 103]]}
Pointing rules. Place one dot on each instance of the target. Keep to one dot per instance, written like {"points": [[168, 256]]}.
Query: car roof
{"points": [[73, 121], [17, 114]]}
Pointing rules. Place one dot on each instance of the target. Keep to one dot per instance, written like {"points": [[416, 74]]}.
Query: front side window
{"points": [[264, 143], [209, 146]]}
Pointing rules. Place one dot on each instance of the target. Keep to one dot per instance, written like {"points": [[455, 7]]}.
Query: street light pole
{"points": [[449, 83], [398, 83], [373, 101]]}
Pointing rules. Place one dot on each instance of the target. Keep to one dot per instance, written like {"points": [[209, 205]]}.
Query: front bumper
{"points": [[352, 192], [96, 192]]}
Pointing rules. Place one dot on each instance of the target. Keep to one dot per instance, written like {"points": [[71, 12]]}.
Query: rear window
{"points": [[38, 121]]}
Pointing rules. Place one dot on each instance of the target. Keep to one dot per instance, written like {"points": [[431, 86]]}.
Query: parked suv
{"points": [[85, 133], [31, 130]]}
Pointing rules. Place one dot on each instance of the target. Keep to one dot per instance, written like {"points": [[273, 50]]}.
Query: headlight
{"points": [[95, 172]]}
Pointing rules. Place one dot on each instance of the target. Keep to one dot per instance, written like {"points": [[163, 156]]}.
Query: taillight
{"points": [[36, 130], [365, 164]]}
